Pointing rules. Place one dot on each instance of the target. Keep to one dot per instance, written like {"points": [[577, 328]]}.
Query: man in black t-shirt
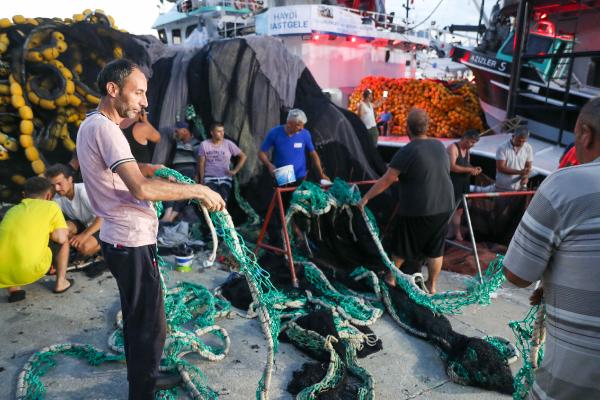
{"points": [[426, 199]]}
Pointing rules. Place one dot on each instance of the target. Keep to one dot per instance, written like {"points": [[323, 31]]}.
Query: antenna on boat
{"points": [[407, 7]]}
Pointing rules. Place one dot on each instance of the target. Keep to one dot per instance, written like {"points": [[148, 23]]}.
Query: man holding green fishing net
{"points": [[558, 242], [426, 198], [122, 196]]}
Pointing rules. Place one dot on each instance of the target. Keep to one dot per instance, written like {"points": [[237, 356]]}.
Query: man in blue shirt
{"points": [[290, 142], [383, 123]]}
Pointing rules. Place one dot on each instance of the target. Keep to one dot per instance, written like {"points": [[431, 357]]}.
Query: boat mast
{"points": [[515, 74]]}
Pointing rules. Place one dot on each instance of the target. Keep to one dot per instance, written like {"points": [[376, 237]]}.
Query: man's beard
{"points": [[124, 111]]}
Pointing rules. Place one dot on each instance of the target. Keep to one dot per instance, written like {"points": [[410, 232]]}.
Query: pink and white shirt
{"points": [[101, 148]]}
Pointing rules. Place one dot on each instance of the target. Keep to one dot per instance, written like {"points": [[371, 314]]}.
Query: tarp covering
{"points": [[249, 84]]}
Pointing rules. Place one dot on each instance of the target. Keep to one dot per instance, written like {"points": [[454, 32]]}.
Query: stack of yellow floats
{"points": [[45, 91]]}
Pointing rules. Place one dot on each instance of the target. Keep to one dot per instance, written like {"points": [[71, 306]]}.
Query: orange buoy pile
{"points": [[453, 107]]}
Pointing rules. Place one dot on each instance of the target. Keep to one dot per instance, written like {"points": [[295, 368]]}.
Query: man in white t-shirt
{"points": [[366, 112], [84, 225], [514, 160]]}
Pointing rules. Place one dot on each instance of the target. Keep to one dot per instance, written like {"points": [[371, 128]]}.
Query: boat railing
{"points": [[566, 82], [234, 6], [381, 21]]}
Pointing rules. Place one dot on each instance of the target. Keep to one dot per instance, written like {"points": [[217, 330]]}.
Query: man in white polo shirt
{"points": [[514, 160], [122, 196]]}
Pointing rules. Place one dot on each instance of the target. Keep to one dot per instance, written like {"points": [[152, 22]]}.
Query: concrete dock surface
{"points": [[406, 368]]}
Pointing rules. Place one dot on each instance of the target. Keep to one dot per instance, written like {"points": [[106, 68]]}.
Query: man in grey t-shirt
{"points": [[426, 200], [558, 241]]}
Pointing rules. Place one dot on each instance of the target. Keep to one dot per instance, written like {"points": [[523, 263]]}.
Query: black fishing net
{"points": [[237, 82]]}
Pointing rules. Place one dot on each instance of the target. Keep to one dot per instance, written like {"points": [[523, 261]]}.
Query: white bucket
{"points": [[285, 175], [184, 263]]}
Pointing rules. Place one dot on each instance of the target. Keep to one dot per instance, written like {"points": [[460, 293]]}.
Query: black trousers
{"points": [[223, 189], [144, 325]]}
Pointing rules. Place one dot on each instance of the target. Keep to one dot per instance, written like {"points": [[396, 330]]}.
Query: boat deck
{"points": [[546, 155]]}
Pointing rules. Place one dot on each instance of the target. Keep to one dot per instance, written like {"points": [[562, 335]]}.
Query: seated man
{"points": [[26, 232], [383, 122], [84, 226], [183, 160]]}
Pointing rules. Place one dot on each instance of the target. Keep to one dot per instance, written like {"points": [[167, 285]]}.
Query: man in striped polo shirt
{"points": [[558, 241]]}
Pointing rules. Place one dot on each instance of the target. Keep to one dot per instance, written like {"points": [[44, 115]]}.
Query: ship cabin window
{"points": [[535, 45], [190, 29], [162, 35], [176, 35]]}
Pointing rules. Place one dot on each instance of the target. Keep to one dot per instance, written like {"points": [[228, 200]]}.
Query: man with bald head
{"points": [[122, 197], [426, 201], [558, 241]]}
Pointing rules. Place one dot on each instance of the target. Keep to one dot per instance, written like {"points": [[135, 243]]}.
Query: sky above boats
{"points": [[137, 16]]}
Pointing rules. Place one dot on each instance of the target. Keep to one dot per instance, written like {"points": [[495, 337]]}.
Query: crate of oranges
{"points": [[453, 106]]}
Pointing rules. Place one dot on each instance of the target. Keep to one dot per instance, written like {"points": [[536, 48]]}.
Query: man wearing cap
{"points": [[513, 162], [290, 143], [184, 161], [186, 147]]}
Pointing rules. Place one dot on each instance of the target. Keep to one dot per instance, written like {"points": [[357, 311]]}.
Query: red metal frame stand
{"points": [[277, 201]]}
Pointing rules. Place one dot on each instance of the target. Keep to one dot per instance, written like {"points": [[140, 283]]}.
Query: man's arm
{"points": [[241, 161], [201, 166], [148, 170], [94, 227], [360, 111], [317, 162], [514, 279], [158, 189], [535, 241], [264, 158], [144, 128], [147, 130], [459, 169], [60, 235], [390, 176], [80, 238], [501, 167]]}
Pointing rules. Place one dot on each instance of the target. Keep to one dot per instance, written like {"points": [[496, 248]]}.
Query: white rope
{"points": [[213, 234], [539, 336], [263, 315]]}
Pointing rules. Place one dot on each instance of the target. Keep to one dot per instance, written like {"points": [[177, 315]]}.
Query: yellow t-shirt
{"points": [[24, 234]]}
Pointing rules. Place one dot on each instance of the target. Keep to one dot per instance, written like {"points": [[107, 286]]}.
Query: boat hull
{"points": [[539, 103]]}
